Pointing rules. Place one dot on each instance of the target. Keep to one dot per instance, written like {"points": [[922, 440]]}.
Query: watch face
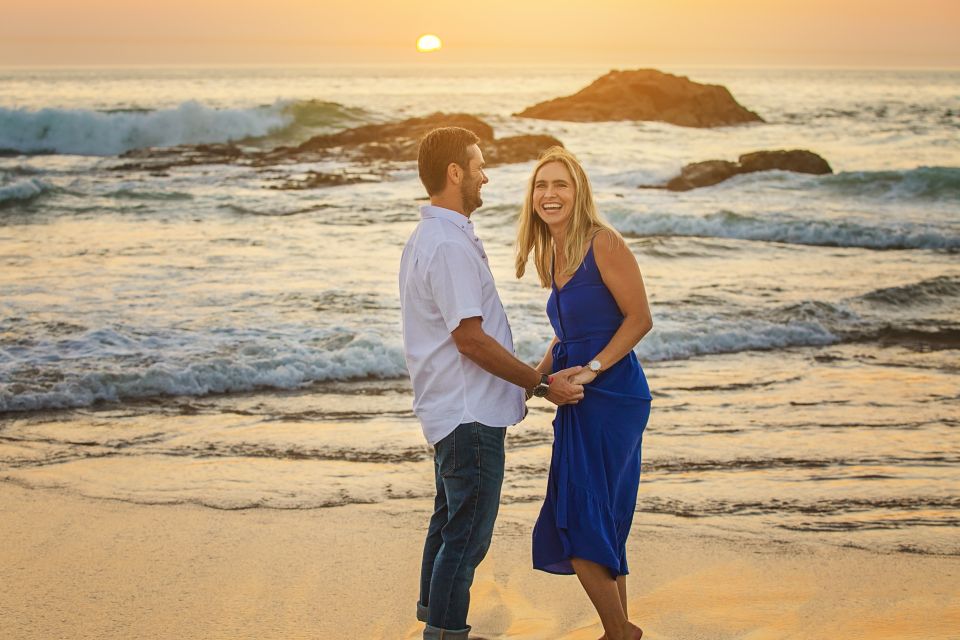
{"points": [[541, 390], [594, 365]]}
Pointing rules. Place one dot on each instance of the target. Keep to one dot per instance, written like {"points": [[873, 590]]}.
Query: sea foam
{"points": [[677, 343], [252, 367]]}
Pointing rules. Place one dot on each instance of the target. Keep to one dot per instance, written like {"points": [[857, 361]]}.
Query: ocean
{"points": [[194, 335]]}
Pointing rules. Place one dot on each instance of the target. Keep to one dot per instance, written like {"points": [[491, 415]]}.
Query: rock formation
{"points": [[710, 172], [365, 145], [646, 94], [399, 140]]}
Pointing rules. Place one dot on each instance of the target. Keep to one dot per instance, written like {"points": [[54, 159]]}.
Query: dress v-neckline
{"points": [[553, 278]]}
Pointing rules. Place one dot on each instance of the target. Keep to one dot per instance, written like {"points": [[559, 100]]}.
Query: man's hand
{"points": [[562, 390]]}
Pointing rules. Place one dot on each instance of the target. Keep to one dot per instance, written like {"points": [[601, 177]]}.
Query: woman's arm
{"points": [[621, 274], [546, 364]]}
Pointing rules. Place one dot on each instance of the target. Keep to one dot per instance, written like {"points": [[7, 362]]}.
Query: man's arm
{"points": [[491, 356]]}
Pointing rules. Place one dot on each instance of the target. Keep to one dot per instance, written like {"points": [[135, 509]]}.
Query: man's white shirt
{"points": [[445, 277]]}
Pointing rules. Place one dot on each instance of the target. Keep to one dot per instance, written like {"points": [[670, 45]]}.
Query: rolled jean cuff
{"points": [[433, 633], [423, 613]]}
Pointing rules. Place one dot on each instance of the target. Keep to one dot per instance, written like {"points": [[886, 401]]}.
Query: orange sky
{"points": [[880, 33]]}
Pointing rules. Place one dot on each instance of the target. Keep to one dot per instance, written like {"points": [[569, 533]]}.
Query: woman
{"points": [[599, 312]]}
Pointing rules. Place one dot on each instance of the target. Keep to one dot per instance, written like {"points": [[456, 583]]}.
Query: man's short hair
{"points": [[438, 149]]}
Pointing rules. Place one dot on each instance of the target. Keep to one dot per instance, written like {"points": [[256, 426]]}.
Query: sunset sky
{"points": [[883, 33]]}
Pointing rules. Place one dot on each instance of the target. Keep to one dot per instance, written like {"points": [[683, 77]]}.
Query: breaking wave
{"points": [[922, 183], [931, 291], [727, 224], [23, 190], [108, 133]]}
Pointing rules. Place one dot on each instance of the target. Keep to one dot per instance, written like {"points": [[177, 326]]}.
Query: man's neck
{"points": [[449, 203]]}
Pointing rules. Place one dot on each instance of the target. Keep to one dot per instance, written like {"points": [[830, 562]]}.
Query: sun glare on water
{"points": [[428, 42]]}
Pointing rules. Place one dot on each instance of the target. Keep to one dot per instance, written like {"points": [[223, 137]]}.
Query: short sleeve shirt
{"points": [[444, 278]]}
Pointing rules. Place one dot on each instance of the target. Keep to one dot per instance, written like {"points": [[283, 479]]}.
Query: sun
{"points": [[428, 43]]}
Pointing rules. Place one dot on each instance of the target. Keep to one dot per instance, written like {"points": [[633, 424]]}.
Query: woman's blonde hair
{"points": [[584, 222]]}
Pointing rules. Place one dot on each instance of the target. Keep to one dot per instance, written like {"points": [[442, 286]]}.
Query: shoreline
{"points": [[79, 567]]}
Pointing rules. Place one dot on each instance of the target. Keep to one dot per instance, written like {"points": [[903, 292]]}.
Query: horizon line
{"points": [[467, 65]]}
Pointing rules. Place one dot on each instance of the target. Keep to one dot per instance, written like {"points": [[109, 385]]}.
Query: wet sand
{"points": [[76, 567]]}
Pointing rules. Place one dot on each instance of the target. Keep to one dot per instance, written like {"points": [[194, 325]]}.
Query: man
{"points": [[468, 385]]}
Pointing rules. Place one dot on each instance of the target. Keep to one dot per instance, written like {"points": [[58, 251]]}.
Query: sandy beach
{"points": [[75, 567]]}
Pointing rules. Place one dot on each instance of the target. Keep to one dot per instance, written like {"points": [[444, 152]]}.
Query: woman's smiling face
{"points": [[554, 193]]}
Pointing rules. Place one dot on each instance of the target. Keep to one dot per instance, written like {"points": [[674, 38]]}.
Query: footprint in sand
{"points": [[500, 613]]}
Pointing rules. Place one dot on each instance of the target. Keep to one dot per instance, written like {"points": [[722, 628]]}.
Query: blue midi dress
{"points": [[595, 466]]}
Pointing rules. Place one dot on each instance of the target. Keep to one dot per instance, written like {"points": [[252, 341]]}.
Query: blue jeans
{"points": [[468, 465]]}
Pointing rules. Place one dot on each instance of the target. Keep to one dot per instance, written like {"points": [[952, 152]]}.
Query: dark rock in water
{"points": [[703, 174], [366, 145], [798, 160], [163, 158], [315, 179], [710, 172], [647, 94]]}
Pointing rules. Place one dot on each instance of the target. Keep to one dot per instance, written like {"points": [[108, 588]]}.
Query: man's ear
{"points": [[454, 173]]}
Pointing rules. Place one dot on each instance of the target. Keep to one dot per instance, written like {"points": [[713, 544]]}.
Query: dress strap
{"points": [[590, 253]]}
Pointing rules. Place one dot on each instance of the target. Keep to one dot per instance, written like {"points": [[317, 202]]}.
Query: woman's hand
{"points": [[562, 390], [584, 376]]}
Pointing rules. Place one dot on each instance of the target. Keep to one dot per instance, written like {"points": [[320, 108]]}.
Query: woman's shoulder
{"points": [[606, 240], [610, 250]]}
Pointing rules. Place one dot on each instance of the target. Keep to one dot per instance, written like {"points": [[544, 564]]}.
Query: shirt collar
{"points": [[433, 211], [428, 211]]}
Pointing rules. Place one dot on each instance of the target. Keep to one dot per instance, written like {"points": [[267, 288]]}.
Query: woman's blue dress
{"points": [[595, 466]]}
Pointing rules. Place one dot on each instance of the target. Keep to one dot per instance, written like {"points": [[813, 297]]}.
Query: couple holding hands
{"points": [[469, 386]]}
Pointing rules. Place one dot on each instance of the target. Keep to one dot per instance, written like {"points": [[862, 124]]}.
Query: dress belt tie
{"points": [[560, 348]]}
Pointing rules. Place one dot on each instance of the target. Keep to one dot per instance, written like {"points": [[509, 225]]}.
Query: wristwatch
{"points": [[543, 388], [594, 365]]}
